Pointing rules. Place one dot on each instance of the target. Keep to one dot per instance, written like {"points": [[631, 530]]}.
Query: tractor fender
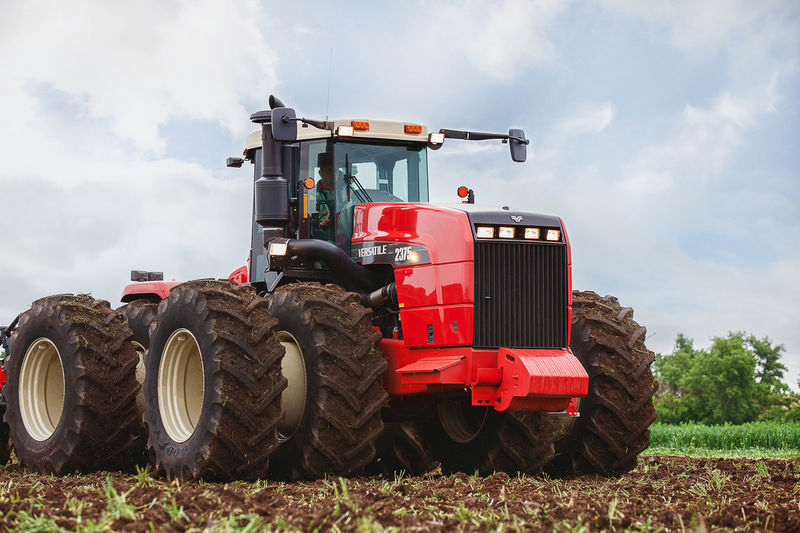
{"points": [[154, 290]]}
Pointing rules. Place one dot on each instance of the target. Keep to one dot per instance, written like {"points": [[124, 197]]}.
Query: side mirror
{"points": [[284, 126], [519, 149]]}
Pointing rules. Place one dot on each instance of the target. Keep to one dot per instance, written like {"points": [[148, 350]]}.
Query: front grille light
{"points": [[506, 232], [531, 233], [553, 235], [484, 232]]}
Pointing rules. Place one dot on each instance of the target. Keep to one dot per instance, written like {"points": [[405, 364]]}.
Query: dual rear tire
{"points": [[213, 383], [217, 401], [71, 386], [613, 428], [335, 396]]}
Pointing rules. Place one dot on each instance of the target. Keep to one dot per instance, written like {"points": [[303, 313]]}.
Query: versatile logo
{"points": [[394, 253], [516, 218]]}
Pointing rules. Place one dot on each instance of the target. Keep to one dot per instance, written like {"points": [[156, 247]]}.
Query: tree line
{"points": [[738, 379]]}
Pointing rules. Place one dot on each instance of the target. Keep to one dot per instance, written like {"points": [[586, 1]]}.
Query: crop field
{"points": [[667, 493], [756, 439]]}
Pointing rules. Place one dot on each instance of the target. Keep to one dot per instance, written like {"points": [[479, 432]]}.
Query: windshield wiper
{"points": [[350, 178]]}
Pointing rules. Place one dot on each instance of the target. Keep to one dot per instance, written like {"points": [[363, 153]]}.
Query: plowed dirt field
{"points": [[663, 493]]}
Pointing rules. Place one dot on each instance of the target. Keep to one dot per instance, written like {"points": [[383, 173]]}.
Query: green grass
{"points": [[756, 439]]}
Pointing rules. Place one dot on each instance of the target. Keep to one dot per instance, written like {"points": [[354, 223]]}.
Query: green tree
{"points": [[723, 380], [671, 368], [770, 370], [735, 380]]}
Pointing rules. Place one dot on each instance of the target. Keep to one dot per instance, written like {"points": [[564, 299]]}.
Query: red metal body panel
{"points": [[149, 289], [439, 294], [3, 377], [445, 232], [239, 275], [506, 379], [451, 325], [424, 285]]}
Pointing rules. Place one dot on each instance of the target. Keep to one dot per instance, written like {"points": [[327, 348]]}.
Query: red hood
{"points": [[445, 232]]}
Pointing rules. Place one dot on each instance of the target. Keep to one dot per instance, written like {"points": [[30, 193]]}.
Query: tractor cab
{"points": [[330, 170]]}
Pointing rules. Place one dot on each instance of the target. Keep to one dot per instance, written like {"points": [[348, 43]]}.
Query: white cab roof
{"points": [[392, 130]]}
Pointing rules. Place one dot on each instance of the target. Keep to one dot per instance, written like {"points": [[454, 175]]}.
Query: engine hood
{"points": [[440, 234]]}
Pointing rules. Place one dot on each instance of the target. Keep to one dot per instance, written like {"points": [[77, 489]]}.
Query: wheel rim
{"points": [[293, 398], [41, 389], [461, 422], [140, 351], [181, 385]]}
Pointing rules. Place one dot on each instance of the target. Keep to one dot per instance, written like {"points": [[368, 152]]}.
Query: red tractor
{"points": [[367, 319]]}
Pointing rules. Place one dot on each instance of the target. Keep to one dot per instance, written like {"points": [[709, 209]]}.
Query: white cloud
{"points": [[504, 38], [140, 64], [593, 120], [753, 35], [699, 144], [87, 235]]}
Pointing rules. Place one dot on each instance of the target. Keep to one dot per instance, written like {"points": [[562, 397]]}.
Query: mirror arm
{"points": [[479, 136], [321, 124]]}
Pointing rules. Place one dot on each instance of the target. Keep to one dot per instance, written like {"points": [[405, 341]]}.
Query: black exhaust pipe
{"points": [[271, 190], [352, 275]]}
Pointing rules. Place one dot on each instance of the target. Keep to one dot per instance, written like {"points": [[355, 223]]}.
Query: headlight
{"points": [[344, 131], [531, 233], [277, 248], [553, 235], [484, 232], [506, 232]]}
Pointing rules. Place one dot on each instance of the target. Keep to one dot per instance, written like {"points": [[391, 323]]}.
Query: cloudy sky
{"points": [[665, 134]]}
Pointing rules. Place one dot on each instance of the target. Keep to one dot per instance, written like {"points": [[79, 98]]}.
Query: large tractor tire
{"points": [[403, 448], [335, 371], [140, 314], [71, 386], [467, 438], [615, 416], [213, 383]]}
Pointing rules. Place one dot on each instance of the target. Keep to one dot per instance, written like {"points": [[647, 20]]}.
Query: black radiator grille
{"points": [[520, 295]]}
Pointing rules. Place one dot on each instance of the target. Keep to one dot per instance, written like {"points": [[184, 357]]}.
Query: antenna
{"points": [[330, 69]]}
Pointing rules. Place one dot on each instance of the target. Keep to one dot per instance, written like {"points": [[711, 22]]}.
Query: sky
{"points": [[664, 133]]}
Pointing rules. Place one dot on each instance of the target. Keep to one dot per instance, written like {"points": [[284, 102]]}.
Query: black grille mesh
{"points": [[520, 295]]}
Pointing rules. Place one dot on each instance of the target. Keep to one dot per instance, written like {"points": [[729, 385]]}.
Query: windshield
{"points": [[386, 173], [348, 173]]}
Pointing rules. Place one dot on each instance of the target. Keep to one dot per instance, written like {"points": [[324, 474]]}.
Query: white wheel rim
{"points": [[181, 385], [462, 423], [293, 398], [41, 389], [140, 376]]}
